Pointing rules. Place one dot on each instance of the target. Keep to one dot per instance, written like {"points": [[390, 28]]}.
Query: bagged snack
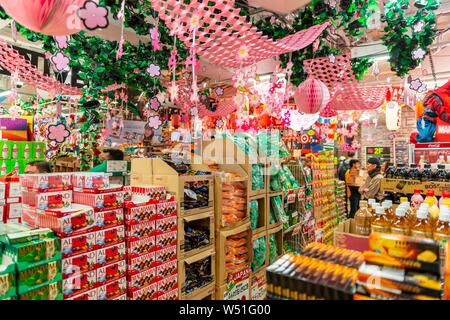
{"points": [[273, 248], [257, 177], [259, 253], [278, 211], [254, 214]]}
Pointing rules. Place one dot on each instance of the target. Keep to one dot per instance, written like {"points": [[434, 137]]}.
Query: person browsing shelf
{"points": [[371, 189]]}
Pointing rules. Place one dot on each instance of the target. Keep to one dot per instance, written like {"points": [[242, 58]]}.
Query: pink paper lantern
{"points": [[50, 17], [311, 96]]}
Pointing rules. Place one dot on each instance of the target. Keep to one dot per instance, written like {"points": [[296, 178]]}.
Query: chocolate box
{"points": [[142, 279], [153, 192], [88, 295], [47, 200], [109, 236], [141, 263], [166, 255], [121, 297], [110, 218], [166, 209], [79, 283], [143, 229], [78, 244], [101, 201], [46, 182], [80, 263], [166, 240], [140, 213], [112, 289], [167, 284], [166, 225], [38, 274], [170, 295], [111, 254], [90, 180], [111, 272], [141, 246], [166, 269], [7, 278], [149, 292], [51, 291]]}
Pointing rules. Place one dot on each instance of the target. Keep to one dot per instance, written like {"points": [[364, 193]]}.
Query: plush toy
{"points": [[436, 105]]}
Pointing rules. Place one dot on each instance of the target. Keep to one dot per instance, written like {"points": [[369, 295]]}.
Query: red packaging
{"points": [[166, 225], [112, 290], [142, 213], [13, 200], [111, 188], [149, 292], [111, 254], [109, 236], [123, 297], [142, 279], [3, 216], [166, 209], [167, 239], [171, 295], [47, 200], [59, 213], [143, 229], [13, 190], [111, 272], [89, 295], [141, 263], [141, 246], [90, 180], [80, 263], [78, 244], [79, 283], [100, 202], [153, 192], [127, 193], [107, 219], [46, 182], [74, 223], [166, 255], [166, 269], [13, 211], [167, 284]]}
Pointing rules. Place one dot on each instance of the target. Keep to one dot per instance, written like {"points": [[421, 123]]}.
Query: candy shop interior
{"points": [[224, 150]]}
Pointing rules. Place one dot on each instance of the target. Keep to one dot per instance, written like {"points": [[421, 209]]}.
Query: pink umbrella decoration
{"points": [[311, 96], [50, 17]]}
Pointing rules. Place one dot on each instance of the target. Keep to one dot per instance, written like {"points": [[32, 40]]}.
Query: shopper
{"points": [[371, 189], [107, 155], [386, 164], [352, 190], [36, 167], [344, 165]]}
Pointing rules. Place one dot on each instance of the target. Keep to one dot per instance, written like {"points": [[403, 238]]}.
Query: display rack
{"points": [[408, 186]]}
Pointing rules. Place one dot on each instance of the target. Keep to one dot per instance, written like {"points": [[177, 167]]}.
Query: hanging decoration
{"points": [[121, 17], [393, 113], [60, 62], [57, 133], [154, 122], [94, 16], [312, 96]]}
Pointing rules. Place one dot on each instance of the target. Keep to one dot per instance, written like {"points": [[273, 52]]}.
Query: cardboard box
{"points": [[237, 289], [221, 238], [258, 285], [208, 254], [142, 166], [408, 186], [204, 220], [345, 237]]}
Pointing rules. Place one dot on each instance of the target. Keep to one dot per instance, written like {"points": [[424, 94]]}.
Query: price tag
{"points": [[301, 196], [290, 198]]}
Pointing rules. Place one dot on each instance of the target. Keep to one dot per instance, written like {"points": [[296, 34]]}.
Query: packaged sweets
{"points": [[337, 255], [106, 237], [166, 239], [196, 195], [111, 272], [259, 253], [273, 248], [140, 213], [141, 263], [153, 192], [38, 274], [90, 295], [142, 279], [46, 182], [236, 253], [143, 229], [111, 254], [166, 269], [167, 284], [195, 237], [150, 292], [112, 289], [79, 283], [80, 263], [90, 180], [198, 275], [166, 209], [166, 255], [166, 225], [82, 243], [171, 295], [7, 278], [51, 291], [257, 177], [47, 200], [278, 211], [141, 246], [254, 214], [110, 218], [234, 203], [101, 201]]}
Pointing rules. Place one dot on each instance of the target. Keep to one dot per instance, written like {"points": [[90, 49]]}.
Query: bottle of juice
{"points": [[379, 222], [433, 211], [416, 199], [430, 195], [363, 219], [390, 171], [422, 227], [370, 204], [387, 205], [442, 230], [401, 172], [445, 195], [400, 224]]}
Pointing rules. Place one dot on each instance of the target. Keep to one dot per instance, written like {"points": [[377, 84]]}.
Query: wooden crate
{"points": [[208, 254], [262, 209], [205, 293], [205, 219], [221, 238], [258, 285], [240, 290], [164, 175], [256, 236], [278, 232], [268, 208], [248, 167]]}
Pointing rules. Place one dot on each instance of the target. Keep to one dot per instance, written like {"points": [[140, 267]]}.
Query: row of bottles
{"points": [[427, 221], [15, 151], [415, 173]]}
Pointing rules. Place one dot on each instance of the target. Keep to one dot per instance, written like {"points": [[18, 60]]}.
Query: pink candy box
{"points": [[90, 180], [47, 200], [46, 182]]}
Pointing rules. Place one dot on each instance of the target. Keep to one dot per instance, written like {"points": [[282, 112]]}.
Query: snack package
{"points": [[153, 192], [7, 278], [196, 194], [110, 218], [254, 214], [167, 284], [257, 177], [90, 295], [150, 292], [142, 279], [79, 263], [141, 246], [164, 225], [51, 291], [29, 277], [259, 253], [111, 272], [90, 180], [141, 213], [79, 283], [278, 211], [110, 254], [198, 275], [112, 290], [101, 201], [166, 209], [82, 243], [171, 295], [143, 229], [141, 263], [166, 269], [273, 249], [166, 240], [195, 237], [47, 200], [345, 257], [46, 182], [236, 252], [234, 203], [166, 255]]}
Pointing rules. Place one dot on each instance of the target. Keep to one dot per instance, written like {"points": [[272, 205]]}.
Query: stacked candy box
{"points": [[7, 279], [151, 236], [10, 200], [37, 257]]}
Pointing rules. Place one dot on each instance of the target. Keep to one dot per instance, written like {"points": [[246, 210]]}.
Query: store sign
{"points": [[384, 153]]}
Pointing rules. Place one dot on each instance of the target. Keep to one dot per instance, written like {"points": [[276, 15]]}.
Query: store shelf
{"points": [[408, 186], [205, 221]]}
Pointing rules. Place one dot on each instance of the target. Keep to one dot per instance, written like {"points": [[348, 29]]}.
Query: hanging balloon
{"points": [[312, 96], [49, 17], [393, 112]]}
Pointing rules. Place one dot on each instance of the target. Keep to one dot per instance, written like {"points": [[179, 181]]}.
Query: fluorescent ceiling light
{"points": [[5, 93]]}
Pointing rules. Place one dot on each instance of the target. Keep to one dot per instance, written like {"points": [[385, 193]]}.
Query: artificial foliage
{"points": [[350, 16], [404, 34]]}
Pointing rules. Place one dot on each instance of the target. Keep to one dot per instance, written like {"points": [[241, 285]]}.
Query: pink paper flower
{"points": [[15, 112], [60, 61], [219, 91], [61, 41], [154, 104], [154, 34], [58, 133], [415, 84], [93, 15], [173, 58], [173, 91], [154, 70], [219, 123], [154, 122]]}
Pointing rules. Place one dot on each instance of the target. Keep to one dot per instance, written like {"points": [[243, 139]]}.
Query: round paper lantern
{"points": [[393, 116], [312, 96], [50, 17]]}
